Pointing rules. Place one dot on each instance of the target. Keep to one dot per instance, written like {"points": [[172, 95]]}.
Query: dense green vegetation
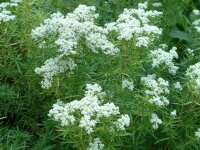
{"points": [[24, 105]]}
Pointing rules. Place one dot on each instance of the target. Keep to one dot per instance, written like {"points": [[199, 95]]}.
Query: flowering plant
{"points": [[95, 75]]}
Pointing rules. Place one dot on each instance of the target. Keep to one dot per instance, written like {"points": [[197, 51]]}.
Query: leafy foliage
{"points": [[24, 105]]}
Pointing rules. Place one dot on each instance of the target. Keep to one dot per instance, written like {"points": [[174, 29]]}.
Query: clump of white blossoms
{"points": [[155, 121], [196, 22], [92, 111], [161, 57], [193, 73], [156, 90], [158, 4], [136, 24], [178, 86], [96, 145], [190, 51], [52, 67], [197, 133], [173, 113], [122, 122], [5, 14], [127, 84], [68, 32]]}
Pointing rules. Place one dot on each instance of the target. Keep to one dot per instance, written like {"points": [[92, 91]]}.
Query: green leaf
{"points": [[180, 35]]}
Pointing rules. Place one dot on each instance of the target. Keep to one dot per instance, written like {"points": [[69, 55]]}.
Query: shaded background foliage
{"points": [[24, 105]]}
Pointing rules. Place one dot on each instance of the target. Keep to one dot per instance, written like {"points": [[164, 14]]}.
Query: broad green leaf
{"points": [[180, 35]]}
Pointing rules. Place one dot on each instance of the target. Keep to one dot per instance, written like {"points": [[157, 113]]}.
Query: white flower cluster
{"points": [[135, 23], [52, 67], [196, 22], [156, 89], [122, 122], [173, 113], [193, 72], [67, 32], [91, 109], [161, 57], [197, 133], [6, 15], [127, 84], [190, 51], [155, 121], [178, 86], [96, 145], [158, 4]]}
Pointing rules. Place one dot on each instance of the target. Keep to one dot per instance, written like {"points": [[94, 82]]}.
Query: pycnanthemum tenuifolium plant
{"points": [[156, 90], [196, 22], [90, 113], [52, 67], [193, 73], [136, 24], [158, 4], [178, 86], [190, 51], [155, 121], [126, 84], [5, 14], [173, 113], [96, 145], [197, 133], [161, 57], [66, 44], [69, 33]]}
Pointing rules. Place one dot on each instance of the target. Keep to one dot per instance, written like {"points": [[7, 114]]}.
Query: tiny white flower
{"points": [[196, 22], [178, 86], [159, 4], [173, 113], [155, 121], [156, 89], [122, 122], [127, 84], [197, 133], [190, 51], [196, 12], [96, 145], [193, 73]]}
